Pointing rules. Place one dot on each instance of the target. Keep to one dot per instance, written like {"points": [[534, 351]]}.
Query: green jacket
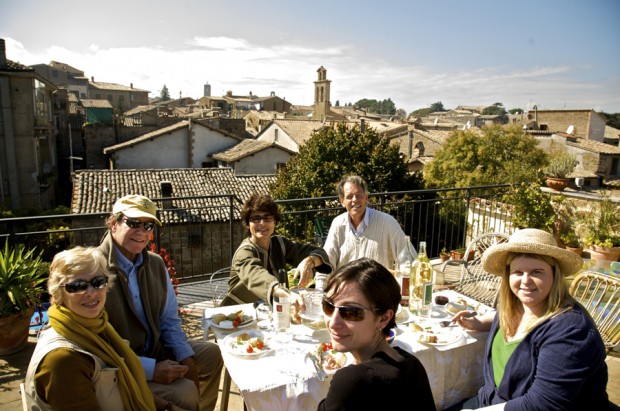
{"points": [[253, 272]]}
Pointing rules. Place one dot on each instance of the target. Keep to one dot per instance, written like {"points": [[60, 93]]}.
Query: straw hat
{"points": [[136, 206], [530, 241]]}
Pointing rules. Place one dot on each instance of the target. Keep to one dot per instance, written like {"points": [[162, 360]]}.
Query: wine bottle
{"points": [[406, 259], [421, 284]]}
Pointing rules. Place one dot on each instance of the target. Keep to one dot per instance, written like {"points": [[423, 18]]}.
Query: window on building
{"points": [[614, 166], [110, 98]]}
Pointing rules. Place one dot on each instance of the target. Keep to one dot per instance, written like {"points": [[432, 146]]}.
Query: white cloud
{"points": [[289, 70]]}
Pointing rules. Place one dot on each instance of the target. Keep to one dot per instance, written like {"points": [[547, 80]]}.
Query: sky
{"points": [[555, 54]]}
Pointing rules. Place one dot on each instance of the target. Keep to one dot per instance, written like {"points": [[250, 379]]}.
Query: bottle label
{"points": [[282, 314]]}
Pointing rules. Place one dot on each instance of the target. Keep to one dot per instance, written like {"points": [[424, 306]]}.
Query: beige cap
{"points": [[136, 206], [530, 241]]}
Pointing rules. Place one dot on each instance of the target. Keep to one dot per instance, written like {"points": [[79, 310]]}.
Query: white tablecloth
{"points": [[284, 380]]}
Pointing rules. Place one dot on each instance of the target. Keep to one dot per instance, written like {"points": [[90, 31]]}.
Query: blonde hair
{"points": [[509, 305], [69, 263]]}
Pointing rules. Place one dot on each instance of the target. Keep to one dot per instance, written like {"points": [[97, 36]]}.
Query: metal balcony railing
{"points": [[202, 233]]}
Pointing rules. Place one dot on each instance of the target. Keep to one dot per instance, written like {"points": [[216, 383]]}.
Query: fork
{"points": [[320, 372]]}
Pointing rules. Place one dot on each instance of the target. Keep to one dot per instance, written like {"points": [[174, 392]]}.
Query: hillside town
{"points": [[76, 127]]}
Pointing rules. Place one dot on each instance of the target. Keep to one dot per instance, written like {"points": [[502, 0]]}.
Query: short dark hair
{"points": [[258, 202], [376, 283]]}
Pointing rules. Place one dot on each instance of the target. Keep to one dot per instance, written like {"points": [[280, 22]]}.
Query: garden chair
{"points": [[474, 282], [600, 295]]}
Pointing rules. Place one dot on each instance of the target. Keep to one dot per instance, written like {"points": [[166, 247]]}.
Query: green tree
{"points": [[497, 155], [516, 111], [378, 107], [497, 109], [165, 94], [612, 120], [335, 151], [438, 106]]}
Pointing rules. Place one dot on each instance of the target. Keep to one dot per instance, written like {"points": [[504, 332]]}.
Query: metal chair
{"points": [[600, 295], [474, 281]]}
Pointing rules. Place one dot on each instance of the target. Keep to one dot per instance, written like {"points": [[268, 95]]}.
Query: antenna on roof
{"points": [[570, 130]]}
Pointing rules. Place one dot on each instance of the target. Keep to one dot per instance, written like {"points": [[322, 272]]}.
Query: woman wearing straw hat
{"points": [[544, 351]]}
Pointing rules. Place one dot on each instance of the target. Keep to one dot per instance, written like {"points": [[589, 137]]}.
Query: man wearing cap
{"points": [[544, 351], [142, 307]]}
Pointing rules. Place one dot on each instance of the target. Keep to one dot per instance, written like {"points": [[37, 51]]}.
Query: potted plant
{"points": [[564, 228], [444, 255], [560, 166], [22, 283], [600, 227]]}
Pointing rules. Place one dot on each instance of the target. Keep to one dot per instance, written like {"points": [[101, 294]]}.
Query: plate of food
{"points": [[231, 321], [331, 360], [248, 344], [434, 334]]}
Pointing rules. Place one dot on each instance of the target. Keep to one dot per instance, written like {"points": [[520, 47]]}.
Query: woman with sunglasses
{"points": [[255, 264], [360, 305], [80, 362]]}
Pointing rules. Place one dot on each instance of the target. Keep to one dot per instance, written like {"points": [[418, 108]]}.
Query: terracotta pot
{"points": [[14, 336], [576, 250], [598, 252], [444, 257], [557, 184]]}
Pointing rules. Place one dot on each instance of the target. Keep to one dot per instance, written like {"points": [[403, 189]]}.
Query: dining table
{"points": [[284, 377]]}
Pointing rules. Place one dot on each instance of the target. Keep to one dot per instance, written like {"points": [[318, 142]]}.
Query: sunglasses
{"points": [[80, 286], [347, 312], [268, 218], [133, 223]]}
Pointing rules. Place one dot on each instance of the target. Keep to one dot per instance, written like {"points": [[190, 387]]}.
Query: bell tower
{"points": [[321, 95]]}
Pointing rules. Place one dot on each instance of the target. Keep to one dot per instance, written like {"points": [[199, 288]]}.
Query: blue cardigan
{"points": [[559, 365]]}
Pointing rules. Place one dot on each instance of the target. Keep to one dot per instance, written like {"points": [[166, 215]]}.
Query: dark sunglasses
{"points": [[133, 223], [268, 218], [80, 286], [347, 312]]}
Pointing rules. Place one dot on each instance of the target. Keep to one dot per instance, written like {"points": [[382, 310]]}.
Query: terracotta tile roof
{"points": [[13, 66], [140, 109], [245, 149], [92, 103], [590, 145], [148, 136], [113, 86], [95, 191], [299, 130], [611, 132]]}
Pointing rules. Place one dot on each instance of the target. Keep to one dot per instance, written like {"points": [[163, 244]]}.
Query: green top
{"points": [[500, 353]]}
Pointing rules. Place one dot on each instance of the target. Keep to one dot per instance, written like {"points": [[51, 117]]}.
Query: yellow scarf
{"points": [[98, 337]]}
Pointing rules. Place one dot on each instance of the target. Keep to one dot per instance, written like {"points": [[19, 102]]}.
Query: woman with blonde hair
{"points": [[544, 351], [80, 362]]}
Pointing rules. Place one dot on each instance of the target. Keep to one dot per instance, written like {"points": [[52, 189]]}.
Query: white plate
{"points": [[239, 350], [228, 325], [443, 337]]}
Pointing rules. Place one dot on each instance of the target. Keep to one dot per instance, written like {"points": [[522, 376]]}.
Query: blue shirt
{"points": [[362, 225], [171, 332]]}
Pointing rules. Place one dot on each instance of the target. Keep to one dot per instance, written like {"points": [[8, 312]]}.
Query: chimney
{"points": [[130, 85], [92, 78], [2, 53]]}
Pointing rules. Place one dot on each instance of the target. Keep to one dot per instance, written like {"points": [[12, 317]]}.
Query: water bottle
{"points": [[281, 304]]}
